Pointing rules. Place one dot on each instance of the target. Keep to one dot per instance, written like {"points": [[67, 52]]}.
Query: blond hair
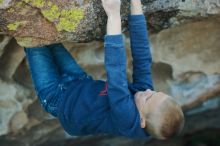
{"points": [[167, 121]]}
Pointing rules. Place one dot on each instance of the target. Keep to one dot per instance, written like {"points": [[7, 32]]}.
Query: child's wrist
{"points": [[114, 25], [136, 10], [136, 7], [135, 3], [114, 16]]}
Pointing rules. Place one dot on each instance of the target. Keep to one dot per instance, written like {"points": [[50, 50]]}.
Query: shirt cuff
{"points": [[114, 39], [136, 18]]}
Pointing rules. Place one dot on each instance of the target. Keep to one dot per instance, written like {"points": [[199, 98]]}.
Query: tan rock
{"points": [[191, 47], [11, 59], [18, 121], [4, 40], [12, 98]]}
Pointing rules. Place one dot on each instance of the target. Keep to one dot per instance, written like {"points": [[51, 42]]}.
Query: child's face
{"points": [[148, 102]]}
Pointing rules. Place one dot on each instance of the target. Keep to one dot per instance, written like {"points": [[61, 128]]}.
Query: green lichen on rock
{"points": [[70, 19], [52, 13], [19, 4], [13, 26], [11, 10], [36, 3], [66, 20], [24, 41]]}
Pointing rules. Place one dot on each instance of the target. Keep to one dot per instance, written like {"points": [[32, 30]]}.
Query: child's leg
{"points": [[45, 76], [67, 66]]}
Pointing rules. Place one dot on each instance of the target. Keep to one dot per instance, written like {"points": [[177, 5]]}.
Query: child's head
{"points": [[160, 115]]}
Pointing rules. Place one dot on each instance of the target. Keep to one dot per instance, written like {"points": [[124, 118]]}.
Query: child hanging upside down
{"points": [[85, 106]]}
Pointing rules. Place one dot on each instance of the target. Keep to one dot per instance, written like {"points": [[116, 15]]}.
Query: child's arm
{"points": [[140, 48], [123, 112]]}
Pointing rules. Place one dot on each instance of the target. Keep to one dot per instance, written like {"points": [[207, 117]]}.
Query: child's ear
{"points": [[143, 123]]}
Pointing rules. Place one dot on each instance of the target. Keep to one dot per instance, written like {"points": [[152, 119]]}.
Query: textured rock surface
{"points": [[41, 22], [185, 47], [13, 99], [198, 40]]}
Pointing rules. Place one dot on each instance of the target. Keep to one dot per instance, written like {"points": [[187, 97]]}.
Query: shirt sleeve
{"points": [[123, 110], [141, 54]]}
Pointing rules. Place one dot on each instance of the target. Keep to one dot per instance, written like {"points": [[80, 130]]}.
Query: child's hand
{"points": [[112, 7]]}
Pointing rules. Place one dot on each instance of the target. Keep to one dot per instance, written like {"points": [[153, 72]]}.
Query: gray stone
{"points": [[36, 23]]}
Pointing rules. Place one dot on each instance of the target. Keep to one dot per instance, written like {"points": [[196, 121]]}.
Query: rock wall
{"points": [[40, 22], [185, 44]]}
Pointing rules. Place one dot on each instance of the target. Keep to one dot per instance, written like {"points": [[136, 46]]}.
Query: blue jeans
{"points": [[52, 67]]}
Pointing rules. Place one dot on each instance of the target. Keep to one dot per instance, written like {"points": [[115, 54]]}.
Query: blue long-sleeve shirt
{"points": [[94, 106]]}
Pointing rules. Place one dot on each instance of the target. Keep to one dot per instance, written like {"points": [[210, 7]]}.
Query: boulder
{"points": [[41, 22]]}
